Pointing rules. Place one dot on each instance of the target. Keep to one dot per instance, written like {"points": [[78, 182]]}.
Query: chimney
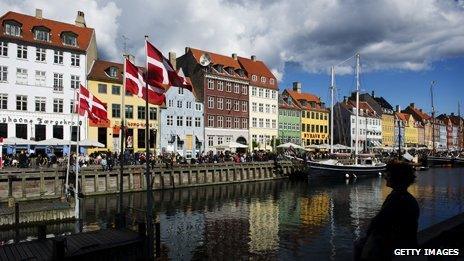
{"points": [[413, 105], [172, 59], [420, 110], [398, 108], [80, 20], [253, 58], [234, 55], [297, 87], [373, 94], [187, 49], [452, 114], [38, 13]]}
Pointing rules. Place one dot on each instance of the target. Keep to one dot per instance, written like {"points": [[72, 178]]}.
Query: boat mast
{"points": [[433, 117], [332, 87], [460, 135], [357, 110]]}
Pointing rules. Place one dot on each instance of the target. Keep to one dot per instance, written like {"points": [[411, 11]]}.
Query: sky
{"points": [[403, 45]]}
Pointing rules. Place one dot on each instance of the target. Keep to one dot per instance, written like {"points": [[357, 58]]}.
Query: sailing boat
{"points": [[335, 168]]}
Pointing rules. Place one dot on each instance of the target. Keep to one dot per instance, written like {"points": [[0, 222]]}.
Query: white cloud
{"points": [[389, 34]]}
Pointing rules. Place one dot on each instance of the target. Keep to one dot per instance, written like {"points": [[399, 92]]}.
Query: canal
{"points": [[272, 219]]}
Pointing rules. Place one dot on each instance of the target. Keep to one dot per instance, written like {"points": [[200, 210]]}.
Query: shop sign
{"points": [[36, 120]]}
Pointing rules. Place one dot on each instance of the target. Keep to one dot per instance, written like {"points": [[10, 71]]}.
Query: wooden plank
{"points": [[27, 251], [38, 251], [3, 254], [10, 253]]}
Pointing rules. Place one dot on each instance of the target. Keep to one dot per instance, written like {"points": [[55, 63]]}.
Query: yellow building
{"points": [[388, 130], [411, 134], [314, 116], [105, 82]]}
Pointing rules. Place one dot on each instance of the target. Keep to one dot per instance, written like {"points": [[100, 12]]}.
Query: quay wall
{"points": [[30, 184]]}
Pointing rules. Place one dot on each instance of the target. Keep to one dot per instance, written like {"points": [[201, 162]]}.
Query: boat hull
{"points": [[439, 161], [333, 171]]}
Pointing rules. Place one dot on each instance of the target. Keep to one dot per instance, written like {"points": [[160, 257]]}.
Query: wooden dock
{"points": [[110, 244]]}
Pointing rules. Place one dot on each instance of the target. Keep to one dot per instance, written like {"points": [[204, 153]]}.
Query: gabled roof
{"points": [[418, 114], [259, 69], [308, 97], [362, 106], [383, 103], [402, 116], [84, 34], [98, 72], [226, 61]]}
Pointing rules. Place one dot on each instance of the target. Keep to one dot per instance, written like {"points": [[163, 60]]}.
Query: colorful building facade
{"points": [[289, 121]]}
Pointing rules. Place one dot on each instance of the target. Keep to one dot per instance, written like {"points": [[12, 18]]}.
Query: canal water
{"points": [[284, 220]]}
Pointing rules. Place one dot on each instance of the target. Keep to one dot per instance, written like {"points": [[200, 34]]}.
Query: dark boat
{"points": [[436, 160], [335, 169]]}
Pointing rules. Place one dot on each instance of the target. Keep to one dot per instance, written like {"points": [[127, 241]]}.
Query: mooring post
{"points": [[41, 232], [158, 239], [16, 224]]}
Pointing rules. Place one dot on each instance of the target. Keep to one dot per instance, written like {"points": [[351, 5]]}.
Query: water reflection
{"points": [[274, 219]]}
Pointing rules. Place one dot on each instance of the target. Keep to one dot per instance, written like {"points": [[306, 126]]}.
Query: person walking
{"points": [[395, 226]]}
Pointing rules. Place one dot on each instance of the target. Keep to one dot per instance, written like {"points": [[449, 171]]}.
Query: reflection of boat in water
{"points": [[338, 169]]}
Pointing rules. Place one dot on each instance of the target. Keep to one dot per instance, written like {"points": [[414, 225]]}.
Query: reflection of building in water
{"points": [[264, 226], [225, 233], [182, 233], [289, 209], [315, 210]]}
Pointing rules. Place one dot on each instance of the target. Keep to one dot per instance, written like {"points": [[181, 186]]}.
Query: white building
{"points": [[263, 102], [42, 63]]}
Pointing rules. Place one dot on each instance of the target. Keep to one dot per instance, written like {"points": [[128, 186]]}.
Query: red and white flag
{"points": [[91, 106], [135, 84], [160, 72]]}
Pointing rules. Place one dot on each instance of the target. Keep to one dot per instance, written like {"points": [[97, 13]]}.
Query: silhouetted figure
{"points": [[395, 226]]}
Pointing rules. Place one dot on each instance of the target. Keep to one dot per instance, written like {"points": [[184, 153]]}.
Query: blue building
{"points": [[181, 127]]}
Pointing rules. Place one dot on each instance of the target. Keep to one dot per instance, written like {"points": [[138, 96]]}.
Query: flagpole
{"points": [[76, 171], [69, 148], [150, 230], [121, 153]]}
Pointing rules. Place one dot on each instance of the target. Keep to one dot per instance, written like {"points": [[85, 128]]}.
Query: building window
{"points": [[22, 52], [75, 60], [244, 123], [228, 122], [198, 106], [12, 29], [115, 89], [244, 90], [274, 124], [3, 101], [69, 39], [3, 73], [274, 109], [41, 35], [220, 85], [273, 94], [236, 88], [113, 72], [21, 131], [59, 131], [268, 108], [210, 141], [188, 105], [141, 138], [228, 87], [40, 104], [169, 120], [3, 49], [220, 103], [220, 140], [58, 105], [21, 102], [254, 78], [179, 104], [141, 112], [152, 113], [236, 123], [40, 132], [228, 104], [261, 123], [21, 76], [236, 105], [268, 123], [220, 121], [71, 107], [261, 107], [170, 103], [210, 102], [254, 106], [115, 110], [180, 91], [254, 122], [58, 57], [271, 81], [58, 82], [180, 121], [101, 88], [210, 121], [244, 106], [75, 82], [210, 84], [197, 121], [40, 54], [188, 121], [129, 112], [267, 94], [263, 79], [260, 92], [40, 78]]}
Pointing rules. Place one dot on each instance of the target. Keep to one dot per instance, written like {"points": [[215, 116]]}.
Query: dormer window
{"points": [[219, 68], [230, 71], [112, 72], [263, 79], [69, 38], [271, 81], [254, 78], [42, 34], [13, 28]]}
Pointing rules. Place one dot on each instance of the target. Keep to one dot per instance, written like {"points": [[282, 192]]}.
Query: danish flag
{"points": [[91, 106], [160, 72], [135, 84]]}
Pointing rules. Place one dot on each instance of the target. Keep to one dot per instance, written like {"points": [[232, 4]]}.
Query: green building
{"points": [[289, 121]]}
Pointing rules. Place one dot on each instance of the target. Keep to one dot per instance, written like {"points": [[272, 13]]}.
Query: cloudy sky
{"points": [[403, 44]]}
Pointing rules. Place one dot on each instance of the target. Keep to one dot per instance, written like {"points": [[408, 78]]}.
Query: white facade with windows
{"points": [[263, 117], [182, 123], [369, 128]]}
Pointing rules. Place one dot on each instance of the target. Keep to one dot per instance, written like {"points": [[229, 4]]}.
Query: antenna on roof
{"points": [[124, 43]]}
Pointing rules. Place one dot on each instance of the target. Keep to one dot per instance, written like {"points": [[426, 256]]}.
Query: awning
{"points": [[198, 139]]}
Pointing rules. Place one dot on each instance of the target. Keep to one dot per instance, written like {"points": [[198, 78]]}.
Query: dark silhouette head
{"points": [[400, 175]]}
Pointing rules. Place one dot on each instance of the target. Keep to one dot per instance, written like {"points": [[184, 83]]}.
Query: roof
{"points": [[363, 106], [259, 69], [99, 68], [383, 103], [418, 114], [308, 97], [226, 61], [84, 34]]}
